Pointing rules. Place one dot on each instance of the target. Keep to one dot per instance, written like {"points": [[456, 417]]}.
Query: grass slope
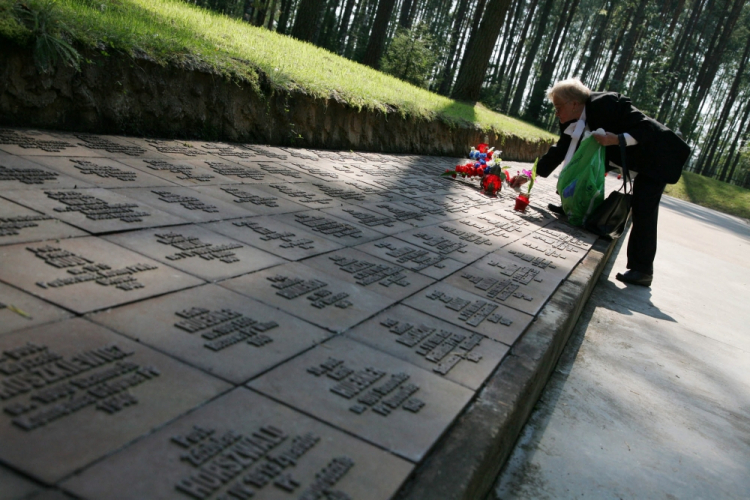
{"points": [[710, 193], [174, 31]]}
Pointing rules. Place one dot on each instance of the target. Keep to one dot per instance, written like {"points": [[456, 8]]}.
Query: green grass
{"points": [[171, 31], [710, 193]]}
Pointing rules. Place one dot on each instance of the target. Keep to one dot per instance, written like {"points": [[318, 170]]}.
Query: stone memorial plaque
{"points": [[217, 330], [365, 270], [86, 274], [534, 252], [73, 391], [19, 310], [266, 153], [380, 398], [299, 193], [94, 210], [20, 173], [349, 192], [253, 200], [565, 235], [178, 149], [284, 172], [465, 204], [19, 224], [311, 295], [459, 355], [242, 446], [275, 237], [470, 230], [403, 213], [409, 186], [442, 242], [357, 215], [227, 151], [321, 170], [197, 251], [187, 203], [114, 147], [472, 312], [302, 154], [330, 227], [247, 173], [496, 225], [33, 142], [16, 487], [412, 257], [182, 172], [102, 172], [534, 217], [510, 282]]}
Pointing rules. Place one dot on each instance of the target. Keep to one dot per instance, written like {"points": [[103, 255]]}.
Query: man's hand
{"points": [[606, 139], [519, 181]]}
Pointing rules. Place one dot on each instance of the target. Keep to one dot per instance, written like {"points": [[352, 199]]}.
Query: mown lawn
{"points": [[710, 193], [173, 31]]}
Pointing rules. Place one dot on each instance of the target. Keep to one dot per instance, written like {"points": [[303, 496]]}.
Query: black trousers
{"points": [[647, 193]]}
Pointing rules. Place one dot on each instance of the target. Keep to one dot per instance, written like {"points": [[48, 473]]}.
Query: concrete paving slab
{"points": [[101, 172], [444, 243], [330, 227], [276, 452], [354, 213], [253, 200], [375, 396], [412, 257], [182, 172], [216, 330], [18, 172], [74, 391], [14, 486]]}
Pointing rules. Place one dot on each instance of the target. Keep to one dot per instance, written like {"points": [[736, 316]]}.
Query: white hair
{"points": [[571, 89]]}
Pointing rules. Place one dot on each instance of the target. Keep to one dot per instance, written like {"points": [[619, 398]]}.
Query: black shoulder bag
{"points": [[609, 218]]}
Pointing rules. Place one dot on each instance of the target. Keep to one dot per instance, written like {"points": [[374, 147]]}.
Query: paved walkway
{"points": [[651, 398]]}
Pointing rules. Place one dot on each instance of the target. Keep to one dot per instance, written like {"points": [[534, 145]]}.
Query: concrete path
{"points": [[651, 398]]}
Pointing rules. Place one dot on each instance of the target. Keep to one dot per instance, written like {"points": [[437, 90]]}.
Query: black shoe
{"points": [[635, 278], [556, 209]]}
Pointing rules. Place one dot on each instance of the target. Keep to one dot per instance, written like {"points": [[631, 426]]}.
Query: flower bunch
{"points": [[485, 165]]}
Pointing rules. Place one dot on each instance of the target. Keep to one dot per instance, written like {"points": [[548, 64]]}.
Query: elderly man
{"points": [[656, 153]]}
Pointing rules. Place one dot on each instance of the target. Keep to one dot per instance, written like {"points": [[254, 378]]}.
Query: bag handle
{"points": [[625, 171]]}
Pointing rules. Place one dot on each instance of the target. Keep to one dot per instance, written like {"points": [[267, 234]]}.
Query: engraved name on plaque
{"points": [[441, 245], [184, 172], [224, 150], [300, 196], [94, 208], [339, 192], [400, 214], [194, 247], [472, 313], [370, 388], [281, 170], [501, 289], [99, 142], [370, 219], [39, 386], [236, 170], [26, 175], [104, 171], [10, 226], [265, 152], [367, 273], [224, 328], [299, 154], [11, 137], [444, 348], [318, 172], [245, 197], [188, 202], [83, 270], [286, 238], [242, 466], [419, 259], [319, 296], [467, 236], [329, 227], [173, 148]]}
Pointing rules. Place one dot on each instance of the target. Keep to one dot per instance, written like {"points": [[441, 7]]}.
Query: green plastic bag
{"points": [[581, 182]]}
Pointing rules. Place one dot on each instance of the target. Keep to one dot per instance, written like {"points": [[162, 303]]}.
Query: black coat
{"points": [[659, 153]]}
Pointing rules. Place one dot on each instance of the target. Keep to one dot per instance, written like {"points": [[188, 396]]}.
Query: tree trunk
{"points": [[733, 149], [538, 92], [286, 7], [474, 64], [344, 25], [628, 48], [377, 37], [708, 70], [308, 17], [403, 18], [615, 49], [596, 42], [447, 76]]}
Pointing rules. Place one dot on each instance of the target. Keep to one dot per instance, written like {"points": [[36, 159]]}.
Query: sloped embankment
{"points": [[135, 96]]}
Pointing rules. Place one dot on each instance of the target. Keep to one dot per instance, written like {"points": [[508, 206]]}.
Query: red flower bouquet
{"points": [[485, 166]]}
